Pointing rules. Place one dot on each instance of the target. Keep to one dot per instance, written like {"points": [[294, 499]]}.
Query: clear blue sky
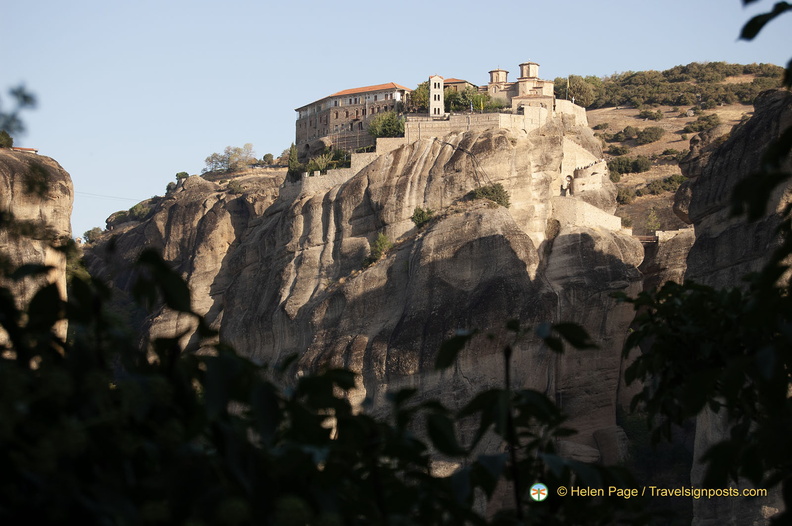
{"points": [[130, 93]]}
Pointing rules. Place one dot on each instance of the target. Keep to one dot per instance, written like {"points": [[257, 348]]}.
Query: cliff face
{"points": [[288, 277], [37, 192], [725, 249]]}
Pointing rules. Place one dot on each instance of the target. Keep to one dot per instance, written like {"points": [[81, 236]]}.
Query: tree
{"points": [[652, 221], [378, 248], [92, 235], [232, 158], [421, 217], [577, 89], [386, 124], [494, 192], [418, 99], [295, 167], [649, 135], [268, 159], [6, 141], [10, 121]]}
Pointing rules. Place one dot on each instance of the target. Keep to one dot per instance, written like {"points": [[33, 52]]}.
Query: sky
{"points": [[132, 92]]}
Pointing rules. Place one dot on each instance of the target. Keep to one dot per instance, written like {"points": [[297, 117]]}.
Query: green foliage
{"points": [[386, 124], [576, 88], [618, 150], [658, 186], [232, 159], [294, 162], [10, 122], [268, 159], [319, 163], [421, 217], [140, 211], [702, 123], [418, 99], [378, 248], [695, 83], [182, 175], [6, 141], [625, 196], [170, 187], [649, 135], [602, 126], [624, 164], [494, 192], [651, 115], [92, 235], [615, 177], [652, 222], [234, 187]]}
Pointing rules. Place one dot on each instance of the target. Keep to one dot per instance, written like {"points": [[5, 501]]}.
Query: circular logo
{"points": [[538, 492]]}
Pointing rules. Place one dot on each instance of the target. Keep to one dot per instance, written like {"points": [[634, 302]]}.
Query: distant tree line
{"points": [[694, 84]]}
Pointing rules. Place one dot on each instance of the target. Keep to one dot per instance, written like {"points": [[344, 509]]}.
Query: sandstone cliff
{"points": [[280, 270], [36, 197], [725, 249]]}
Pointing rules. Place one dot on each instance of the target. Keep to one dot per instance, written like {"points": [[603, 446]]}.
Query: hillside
{"points": [[664, 155]]}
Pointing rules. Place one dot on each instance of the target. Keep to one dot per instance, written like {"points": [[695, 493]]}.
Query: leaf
{"points": [[755, 25], [30, 270], [442, 433], [450, 349], [575, 335], [45, 308]]}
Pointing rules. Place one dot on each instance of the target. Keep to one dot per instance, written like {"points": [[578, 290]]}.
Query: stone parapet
{"points": [[574, 212]]}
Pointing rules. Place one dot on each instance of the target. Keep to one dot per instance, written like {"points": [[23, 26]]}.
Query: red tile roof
{"points": [[378, 87]]}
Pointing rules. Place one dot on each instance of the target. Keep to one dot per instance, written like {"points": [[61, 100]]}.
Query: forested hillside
{"points": [[705, 84]]}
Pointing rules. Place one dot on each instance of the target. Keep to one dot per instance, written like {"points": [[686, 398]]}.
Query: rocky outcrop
{"points": [[725, 249], [194, 228], [289, 276], [36, 197]]}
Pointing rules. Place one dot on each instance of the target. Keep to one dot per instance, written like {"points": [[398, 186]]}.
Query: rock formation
{"points": [[36, 196], [725, 249], [281, 271]]}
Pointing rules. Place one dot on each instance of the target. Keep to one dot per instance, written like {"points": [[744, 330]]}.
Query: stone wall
{"points": [[570, 211]]}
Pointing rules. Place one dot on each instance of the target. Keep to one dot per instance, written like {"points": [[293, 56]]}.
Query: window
{"points": [[336, 115], [375, 97], [364, 111], [360, 126]]}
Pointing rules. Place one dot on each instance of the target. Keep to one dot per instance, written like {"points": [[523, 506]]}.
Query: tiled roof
{"points": [[454, 81], [355, 91], [378, 87]]}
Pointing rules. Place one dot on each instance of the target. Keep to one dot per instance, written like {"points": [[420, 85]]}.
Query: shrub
{"points": [[92, 235], [494, 192], [625, 196], [626, 222], [182, 175], [6, 141], [703, 123], [601, 126], [170, 187], [652, 222], [235, 188], [658, 186], [386, 124], [618, 150], [651, 115], [420, 216], [615, 176], [640, 164], [378, 248], [649, 135], [630, 132], [139, 212]]}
